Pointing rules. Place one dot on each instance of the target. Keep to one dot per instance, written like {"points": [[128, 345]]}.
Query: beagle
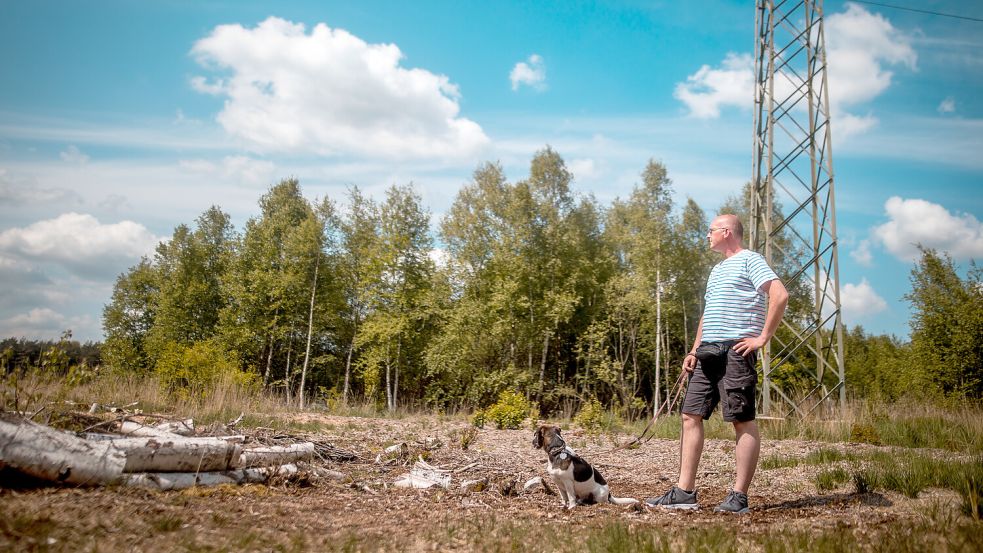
{"points": [[579, 483]]}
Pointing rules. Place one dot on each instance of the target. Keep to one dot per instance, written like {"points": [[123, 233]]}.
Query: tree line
{"points": [[536, 289]]}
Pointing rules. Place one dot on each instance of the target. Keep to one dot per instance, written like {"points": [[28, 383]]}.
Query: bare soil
{"points": [[364, 511]]}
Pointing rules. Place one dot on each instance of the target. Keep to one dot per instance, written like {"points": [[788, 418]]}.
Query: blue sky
{"points": [[120, 120]]}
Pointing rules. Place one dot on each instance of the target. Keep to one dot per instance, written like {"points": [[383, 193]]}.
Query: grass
{"points": [[935, 532]]}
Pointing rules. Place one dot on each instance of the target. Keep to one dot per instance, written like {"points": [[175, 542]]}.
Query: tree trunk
{"points": [[399, 349], [56, 456], [286, 374], [163, 481], [542, 364], [348, 362], [310, 330], [269, 363]]}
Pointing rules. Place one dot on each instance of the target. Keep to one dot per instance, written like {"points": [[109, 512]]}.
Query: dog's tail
{"points": [[622, 500]]}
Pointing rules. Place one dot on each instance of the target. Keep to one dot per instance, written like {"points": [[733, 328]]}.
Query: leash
{"points": [[672, 398]]}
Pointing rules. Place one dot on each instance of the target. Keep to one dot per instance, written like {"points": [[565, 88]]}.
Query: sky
{"points": [[120, 120]]}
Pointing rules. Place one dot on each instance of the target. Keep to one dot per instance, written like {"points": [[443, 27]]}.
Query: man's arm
{"points": [[689, 362], [777, 301]]}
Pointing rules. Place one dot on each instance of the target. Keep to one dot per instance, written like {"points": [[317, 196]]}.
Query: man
{"points": [[745, 302]]}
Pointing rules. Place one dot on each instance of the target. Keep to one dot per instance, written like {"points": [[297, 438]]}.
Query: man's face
{"points": [[717, 234]]}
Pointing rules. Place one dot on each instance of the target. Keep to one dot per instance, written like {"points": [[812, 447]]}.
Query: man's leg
{"points": [[747, 451], [690, 451]]}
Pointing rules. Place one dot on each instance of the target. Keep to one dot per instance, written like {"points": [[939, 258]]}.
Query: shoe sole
{"points": [[743, 511], [680, 507]]}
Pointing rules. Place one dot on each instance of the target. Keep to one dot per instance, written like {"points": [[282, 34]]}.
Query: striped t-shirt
{"points": [[735, 308]]}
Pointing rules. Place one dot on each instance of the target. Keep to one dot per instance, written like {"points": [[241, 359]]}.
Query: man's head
{"points": [[726, 233]]}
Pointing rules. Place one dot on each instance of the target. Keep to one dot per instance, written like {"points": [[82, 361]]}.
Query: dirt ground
{"points": [[362, 510]]}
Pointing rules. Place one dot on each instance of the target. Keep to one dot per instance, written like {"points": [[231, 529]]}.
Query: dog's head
{"points": [[548, 437]]}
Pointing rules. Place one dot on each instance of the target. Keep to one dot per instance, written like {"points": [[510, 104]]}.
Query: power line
{"points": [[918, 11]]}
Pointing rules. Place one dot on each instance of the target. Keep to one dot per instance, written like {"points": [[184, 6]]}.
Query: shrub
{"points": [[510, 410], [190, 371], [591, 416]]}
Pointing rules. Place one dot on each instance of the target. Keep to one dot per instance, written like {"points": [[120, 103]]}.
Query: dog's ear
{"points": [[537, 439]]}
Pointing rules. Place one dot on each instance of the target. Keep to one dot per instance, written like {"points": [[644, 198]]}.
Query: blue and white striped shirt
{"points": [[735, 306]]}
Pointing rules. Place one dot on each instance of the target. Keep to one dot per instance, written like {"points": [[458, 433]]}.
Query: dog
{"points": [[579, 483]]}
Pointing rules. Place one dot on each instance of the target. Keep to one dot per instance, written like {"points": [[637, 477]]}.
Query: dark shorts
{"points": [[730, 376]]}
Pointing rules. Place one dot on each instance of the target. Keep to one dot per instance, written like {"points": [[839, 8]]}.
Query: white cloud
{"points": [[859, 301], [47, 323], [948, 105], [531, 74], [709, 89], [914, 221], [330, 92], [74, 155], [80, 243], [236, 168], [583, 168], [15, 190], [859, 46], [861, 254]]}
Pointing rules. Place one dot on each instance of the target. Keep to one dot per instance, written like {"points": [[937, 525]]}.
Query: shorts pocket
{"points": [[739, 403]]}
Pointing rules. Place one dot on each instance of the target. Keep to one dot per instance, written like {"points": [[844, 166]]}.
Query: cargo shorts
{"points": [[722, 374]]}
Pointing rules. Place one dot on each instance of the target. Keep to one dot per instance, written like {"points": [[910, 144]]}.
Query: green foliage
{"points": [[830, 479], [191, 371], [508, 413], [591, 416], [479, 418], [946, 327]]}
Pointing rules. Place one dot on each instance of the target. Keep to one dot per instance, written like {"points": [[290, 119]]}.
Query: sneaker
{"points": [[736, 503], [675, 499]]}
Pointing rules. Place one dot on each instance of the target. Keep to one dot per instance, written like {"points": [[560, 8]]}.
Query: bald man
{"points": [[745, 302]]}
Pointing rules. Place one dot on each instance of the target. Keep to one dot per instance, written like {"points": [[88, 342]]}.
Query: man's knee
{"points": [[690, 419]]}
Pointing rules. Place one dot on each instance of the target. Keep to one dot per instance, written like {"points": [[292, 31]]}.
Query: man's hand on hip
{"points": [[747, 346]]}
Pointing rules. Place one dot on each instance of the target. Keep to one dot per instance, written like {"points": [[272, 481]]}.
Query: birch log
{"points": [[181, 480], [276, 455], [56, 456], [178, 454], [131, 428]]}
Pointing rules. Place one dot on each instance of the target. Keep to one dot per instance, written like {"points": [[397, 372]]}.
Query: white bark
{"points": [[57, 456], [165, 430], [276, 455], [178, 455], [181, 480], [310, 330]]}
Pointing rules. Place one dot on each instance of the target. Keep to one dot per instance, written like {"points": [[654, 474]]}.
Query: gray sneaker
{"points": [[736, 503], [675, 499]]}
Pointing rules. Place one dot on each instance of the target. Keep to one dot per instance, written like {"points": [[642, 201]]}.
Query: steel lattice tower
{"points": [[793, 210]]}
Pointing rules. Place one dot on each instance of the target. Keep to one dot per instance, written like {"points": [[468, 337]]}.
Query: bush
{"points": [[508, 413], [591, 416], [190, 371]]}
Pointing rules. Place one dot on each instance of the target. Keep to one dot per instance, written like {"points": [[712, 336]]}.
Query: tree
{"points": [[129, 317], [946, 326]]}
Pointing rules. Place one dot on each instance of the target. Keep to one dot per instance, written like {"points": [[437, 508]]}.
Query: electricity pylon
{"points": [[793, 208]]}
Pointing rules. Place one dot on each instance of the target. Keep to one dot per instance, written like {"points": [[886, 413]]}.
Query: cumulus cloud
{"points": [[709, 89], [914, 221], [861, 254], [860, 48], [237, 168], [860, 301], [80, 243], [328, 92], [74, 155], [532, 74], [947, 106]]}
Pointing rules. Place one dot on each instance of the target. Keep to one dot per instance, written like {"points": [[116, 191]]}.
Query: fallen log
{"points": [[56, 456], [276, 455], [178, 454], [131, 428], [164, 481]]}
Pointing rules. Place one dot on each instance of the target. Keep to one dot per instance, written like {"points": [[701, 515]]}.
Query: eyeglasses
{"points": [[714, 229]]}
